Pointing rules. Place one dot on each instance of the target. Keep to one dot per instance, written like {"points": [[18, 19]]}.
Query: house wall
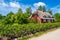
{"points": [[47, 20], [37, 17], [50, 20], [42, 20]]}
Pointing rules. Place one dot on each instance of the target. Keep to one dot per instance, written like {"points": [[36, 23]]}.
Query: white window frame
{"points": [[44, 20], [49, 20]]}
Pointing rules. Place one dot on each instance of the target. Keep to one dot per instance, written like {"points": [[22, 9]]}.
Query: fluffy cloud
{"points": [[7, 7], [39, 4], [3, 4], [56, 9], [12, 4]]}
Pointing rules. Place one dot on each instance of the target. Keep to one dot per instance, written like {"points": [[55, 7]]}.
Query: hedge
{"points": [[20, 30]]}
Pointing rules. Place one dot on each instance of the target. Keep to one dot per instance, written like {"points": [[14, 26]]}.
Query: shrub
{"points": [[20, 30]]}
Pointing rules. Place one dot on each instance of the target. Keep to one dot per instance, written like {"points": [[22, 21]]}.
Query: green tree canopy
{"points": [[42, 8], [19, 11], [18, 15], [29, 11], [50, 11], [0, 16], [57, 16], [10, 13], [9, 18]]}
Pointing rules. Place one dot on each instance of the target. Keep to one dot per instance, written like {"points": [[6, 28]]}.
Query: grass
{"points": [[37, 34]]}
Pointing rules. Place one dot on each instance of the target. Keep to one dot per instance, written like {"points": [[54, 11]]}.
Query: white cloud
{"points": [[3, 4], [12, 4], [39, 4], [56, 9], [7, 7]]}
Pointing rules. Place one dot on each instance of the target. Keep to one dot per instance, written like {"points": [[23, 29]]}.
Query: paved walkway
{"points": [[54, 35]]}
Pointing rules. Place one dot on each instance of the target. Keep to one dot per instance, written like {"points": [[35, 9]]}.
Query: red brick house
{"points": [[42, 17]]}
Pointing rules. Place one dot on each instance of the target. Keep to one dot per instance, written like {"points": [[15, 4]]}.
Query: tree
{"points": [[20, 17], [0, 16], [49, 10], [9, 18], [29, 11], [17, 16], [10, 13], [20, 11], [42, 8], [57, 16]]}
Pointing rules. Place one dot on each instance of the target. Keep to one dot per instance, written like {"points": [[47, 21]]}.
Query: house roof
{"points": [[44, 15]]}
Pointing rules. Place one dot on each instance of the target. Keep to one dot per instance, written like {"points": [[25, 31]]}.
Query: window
{"points": [[49, 20], [49, 17], [44, 20], [44, 16]]}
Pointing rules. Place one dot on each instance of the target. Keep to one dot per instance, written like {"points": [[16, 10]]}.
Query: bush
{"points": [[20, 30]]}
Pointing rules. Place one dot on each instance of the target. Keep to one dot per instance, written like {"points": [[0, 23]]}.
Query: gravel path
{"points": [[54, 35]]}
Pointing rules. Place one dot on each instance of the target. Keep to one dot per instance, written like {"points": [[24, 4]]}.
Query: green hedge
{"points": [[20, 30]]}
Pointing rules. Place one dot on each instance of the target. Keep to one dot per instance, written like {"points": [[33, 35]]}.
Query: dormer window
{"points": [[44, 16], [49, 17]]}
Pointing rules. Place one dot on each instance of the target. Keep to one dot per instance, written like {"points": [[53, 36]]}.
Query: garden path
{"points": [[54, 35]]}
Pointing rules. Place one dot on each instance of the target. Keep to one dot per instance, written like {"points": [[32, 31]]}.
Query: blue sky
{"points": [[13, 5]]}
